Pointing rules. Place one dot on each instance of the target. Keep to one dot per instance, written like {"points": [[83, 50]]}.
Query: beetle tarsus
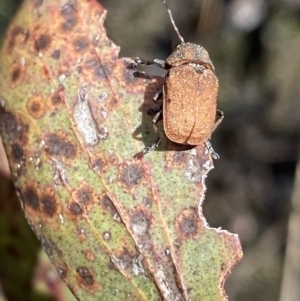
{"points": [[158, 96], [157, 116], [153, 111], [147, 150], [160, 63], [211, 150]]}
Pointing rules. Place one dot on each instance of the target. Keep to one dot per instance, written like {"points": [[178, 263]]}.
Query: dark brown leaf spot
{"points": [[15, 74], [128, 75], [147, 202], [98, 165], [125, 260], [57, 145], [30, 198], [140, 223], [16, 31], [61, 88], [55, 54], [35, 107], [62, 272], [17, 152], [85, 276], [11, 126], [84, 195], [68, 9], [68, 12], [75, 208], [38, 3], [56, 99], [99, 70], [188, 223], [81, 43], [48, 205], [42, 42], [69, 24], [132, 175], [109, 206]]}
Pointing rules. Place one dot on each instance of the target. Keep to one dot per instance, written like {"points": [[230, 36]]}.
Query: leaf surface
{"points": [[74, 120]]}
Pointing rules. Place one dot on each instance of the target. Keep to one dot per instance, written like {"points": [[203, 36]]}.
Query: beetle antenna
{"points": [[172, 21]]}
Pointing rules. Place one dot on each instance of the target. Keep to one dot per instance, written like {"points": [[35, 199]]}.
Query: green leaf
{"points": [[74, 121]]}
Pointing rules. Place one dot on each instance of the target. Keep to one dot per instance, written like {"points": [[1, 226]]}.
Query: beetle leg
{"points": [[157, 96], [154, 111], [155, 144], [156, 118], [211, 150], [152, 147], [160, 63], [220, 117]]}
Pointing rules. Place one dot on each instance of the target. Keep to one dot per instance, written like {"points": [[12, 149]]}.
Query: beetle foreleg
{"points": [[211, 150], [160, 63]]}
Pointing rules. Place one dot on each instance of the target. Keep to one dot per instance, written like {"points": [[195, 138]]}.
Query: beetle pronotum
{"points": [[189, 95]]}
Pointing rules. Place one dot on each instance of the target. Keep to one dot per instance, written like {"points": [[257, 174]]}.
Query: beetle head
{"points": [[186, 53]]}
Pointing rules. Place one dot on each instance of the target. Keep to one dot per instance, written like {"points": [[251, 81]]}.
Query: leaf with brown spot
{"points": [[73, 120]]}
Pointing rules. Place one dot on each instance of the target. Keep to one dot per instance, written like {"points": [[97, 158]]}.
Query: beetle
{"points": [[189, 110]]}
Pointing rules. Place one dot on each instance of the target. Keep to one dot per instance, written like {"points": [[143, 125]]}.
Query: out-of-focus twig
{"points": [[290, 289]]}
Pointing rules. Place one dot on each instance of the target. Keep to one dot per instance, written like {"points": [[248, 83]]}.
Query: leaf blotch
{"points": [[16, 74], [17, 152], [108, 206], [58, 146], [17, 31], [132, 175], [140, 223], [75, 209], [31, 198], [42, 42], [49, 205], [38, 3], [188, 224], [100, 71], [68, 12], [55, 54], [35, 107], [84, 195], [89, 255], [86, 277], [81, 44], [12, 127], [56, 99]]}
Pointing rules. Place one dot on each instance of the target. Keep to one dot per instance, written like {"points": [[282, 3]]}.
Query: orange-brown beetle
{"points": [[189, 95]]}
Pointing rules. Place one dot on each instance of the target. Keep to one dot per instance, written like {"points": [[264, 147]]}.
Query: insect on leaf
{"points": [[73, 117]]}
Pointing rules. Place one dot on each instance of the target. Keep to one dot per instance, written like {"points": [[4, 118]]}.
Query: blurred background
{"points": [[254, 189]]}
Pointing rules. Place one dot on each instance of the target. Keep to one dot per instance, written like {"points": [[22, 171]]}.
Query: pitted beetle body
{"points": [[189, 94], [186, 53], [189, 109]]}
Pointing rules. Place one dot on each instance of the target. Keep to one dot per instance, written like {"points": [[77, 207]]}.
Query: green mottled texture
{"points": [[73, 119]]}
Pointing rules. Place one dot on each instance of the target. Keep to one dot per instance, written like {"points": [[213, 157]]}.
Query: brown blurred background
{"points": [[253, 191]]}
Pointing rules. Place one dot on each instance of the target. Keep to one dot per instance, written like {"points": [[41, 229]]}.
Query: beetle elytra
{"points": [[190, 90]]}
